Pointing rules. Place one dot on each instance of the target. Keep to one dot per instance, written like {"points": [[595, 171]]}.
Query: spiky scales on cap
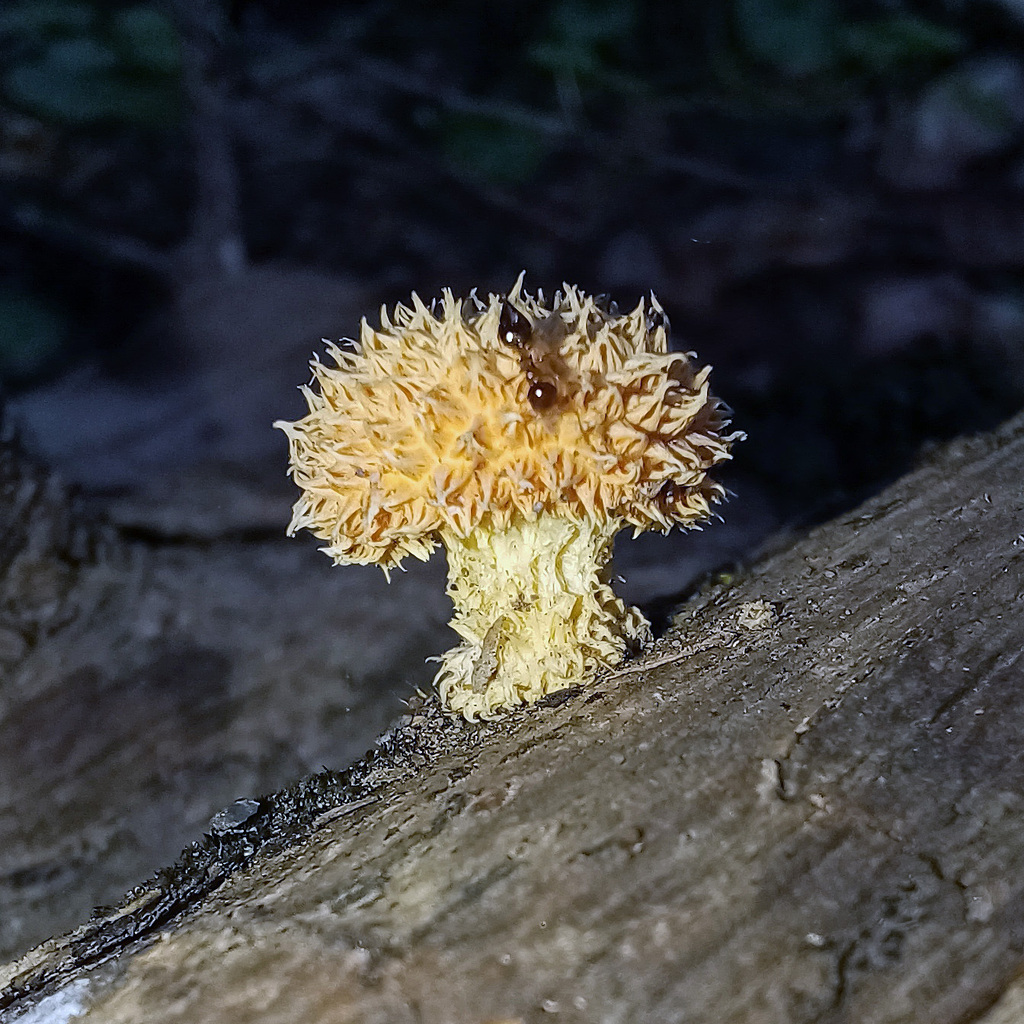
{"points": [[522, 436]]}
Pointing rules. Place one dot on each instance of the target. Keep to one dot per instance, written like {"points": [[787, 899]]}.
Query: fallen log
{"points": [[804, 803], [154, 669]]}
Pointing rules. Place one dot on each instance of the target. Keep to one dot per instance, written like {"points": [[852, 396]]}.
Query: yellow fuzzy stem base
{"points": [[535, 613]]}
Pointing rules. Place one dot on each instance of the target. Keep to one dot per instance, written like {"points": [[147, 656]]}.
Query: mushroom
{"points": [[523, 437]]}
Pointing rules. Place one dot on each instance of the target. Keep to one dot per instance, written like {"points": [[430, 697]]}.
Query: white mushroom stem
{"points": [[534, 610]]}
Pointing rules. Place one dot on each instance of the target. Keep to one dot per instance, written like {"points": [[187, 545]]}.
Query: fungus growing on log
{"points": [[523, 437]]}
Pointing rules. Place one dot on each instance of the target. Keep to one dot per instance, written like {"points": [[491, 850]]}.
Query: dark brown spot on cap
{"points": [[513, 327], [680, 380], [654, 319], [680, 372], [542, 395], [670, 493]]}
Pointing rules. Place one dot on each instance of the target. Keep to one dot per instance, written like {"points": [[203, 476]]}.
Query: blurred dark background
{"points": [[826, 198]]}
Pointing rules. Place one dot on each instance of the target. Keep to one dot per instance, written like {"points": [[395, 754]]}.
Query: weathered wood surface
{"points": [[812, 816], [146, 683], [166, 652]]}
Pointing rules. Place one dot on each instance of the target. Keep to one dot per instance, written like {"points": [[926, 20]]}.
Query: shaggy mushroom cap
{"points": [[523, 436]]}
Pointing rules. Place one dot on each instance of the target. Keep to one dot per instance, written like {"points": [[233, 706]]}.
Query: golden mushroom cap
{"points": [[471, 413]]}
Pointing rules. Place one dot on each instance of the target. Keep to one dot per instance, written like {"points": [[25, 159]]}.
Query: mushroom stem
{"points": [[534, 609]]}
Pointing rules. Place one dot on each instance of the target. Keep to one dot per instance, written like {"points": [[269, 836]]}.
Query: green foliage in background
{"points": [[33, 333], [490, 149], [79, 64], [830, 53], [582, 39], [581, 59]]}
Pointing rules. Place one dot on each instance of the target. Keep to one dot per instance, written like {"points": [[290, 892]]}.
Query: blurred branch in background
{"points": [[215, 242], [69, 77], [776, 170]]}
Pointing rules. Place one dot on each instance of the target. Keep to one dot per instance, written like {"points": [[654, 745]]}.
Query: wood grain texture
{"points": [[815, 814], [145, 684]]}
